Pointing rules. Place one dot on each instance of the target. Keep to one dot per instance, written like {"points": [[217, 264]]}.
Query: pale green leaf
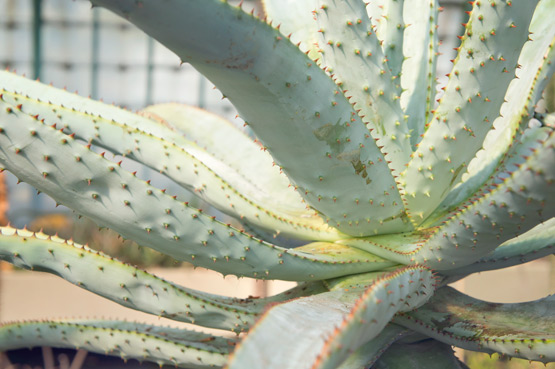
{"points": [[488, 56], [301, 116], [266, 202], [170, 346], [100, 189], [333, 324]]}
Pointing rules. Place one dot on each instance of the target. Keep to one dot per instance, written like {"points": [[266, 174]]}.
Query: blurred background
{"points": [[96, 54]]}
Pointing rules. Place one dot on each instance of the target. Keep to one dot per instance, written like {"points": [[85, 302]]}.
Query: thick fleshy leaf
{"points": [[488, 55], [402, 248], [295, 18], [418, 71], [114, 198], [389, 24], [520, 197], [524, 330], [266, 203], [171, 346], [333, 324], [132, 287], [517, 199], [353, 55], [252, 187], [536, 66], [534, 244], [225, 144], [429, 354], [305, 115]]}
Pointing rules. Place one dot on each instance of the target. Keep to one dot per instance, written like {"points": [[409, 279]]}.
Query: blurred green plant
{"points": [[480, 360]]}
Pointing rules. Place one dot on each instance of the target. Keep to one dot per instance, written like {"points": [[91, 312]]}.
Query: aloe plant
{"points": [[392, 194]]}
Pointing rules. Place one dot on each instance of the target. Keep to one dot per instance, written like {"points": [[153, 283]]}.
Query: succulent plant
{"points": [[392, 195]]}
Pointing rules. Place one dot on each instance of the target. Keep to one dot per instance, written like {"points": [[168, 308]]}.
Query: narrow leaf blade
{"points": [[534, 244], [353, 55], [488, 55], [516, 200], [389, 24], [124, 284], [418, 70], [176, 347]]}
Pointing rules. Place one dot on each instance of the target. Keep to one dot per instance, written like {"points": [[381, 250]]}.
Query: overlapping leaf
{"points": [[170, 346], [304, 120], [295, 18], [132, 287], [488, 56], [418, 78], [105, 192], [256, 193], [524, 330], [535, 67], [534, 244], [518, 198], [333, 324], [353, 55]]}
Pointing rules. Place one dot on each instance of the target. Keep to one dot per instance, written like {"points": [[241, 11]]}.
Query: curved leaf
{"points": [[135, 288], [333, 324], [297, 19], [125, 284], [516, 200], [535, 68], [176, 347], [306, 122], [115, 198], [524, 330], [488, 55], [534, 244], [224, 144], [165, 150], [354, 57]]}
